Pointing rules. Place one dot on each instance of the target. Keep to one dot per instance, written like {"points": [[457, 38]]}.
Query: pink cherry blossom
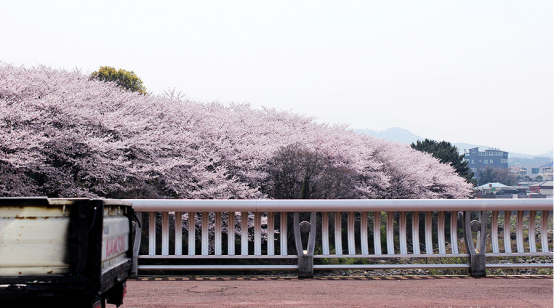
{"points": [[64, 135]]}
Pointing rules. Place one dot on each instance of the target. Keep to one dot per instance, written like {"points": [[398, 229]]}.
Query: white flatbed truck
{"points": [[64, 252]]}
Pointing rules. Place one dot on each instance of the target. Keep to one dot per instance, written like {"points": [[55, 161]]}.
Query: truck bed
{"points": [[63, 247]]}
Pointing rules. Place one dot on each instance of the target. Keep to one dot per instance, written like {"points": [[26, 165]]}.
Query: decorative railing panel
{"points": [[472, 229]]}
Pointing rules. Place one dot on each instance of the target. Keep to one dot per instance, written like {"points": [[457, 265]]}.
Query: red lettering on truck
{"points": [[115, 246]]}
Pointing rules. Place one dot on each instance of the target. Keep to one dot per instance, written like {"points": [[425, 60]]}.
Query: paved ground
{"points": [[406, 291]]}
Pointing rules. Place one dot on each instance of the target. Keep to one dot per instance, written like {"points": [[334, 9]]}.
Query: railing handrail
{"points": [[343, 205]]}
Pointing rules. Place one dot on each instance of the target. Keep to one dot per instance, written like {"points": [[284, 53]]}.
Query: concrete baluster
{"points": [[440, 233], [231, 234], [283, 236], [429, 233], [205, 238], [402, 230], [244, 233], [165, 233], [544, 231], [415, 233], [270, 234], [217, 236], [390, 234], [363, 234], [519, 232], [152, 233], [454, 231], [507, 234], [257, 233], [325, 233], [494, 232], [351, 236], [377, 232], [178, 233], [338, 233]]}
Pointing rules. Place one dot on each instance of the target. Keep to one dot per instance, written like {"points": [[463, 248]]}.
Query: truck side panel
{"points": [[34, 240], [115, 238]]}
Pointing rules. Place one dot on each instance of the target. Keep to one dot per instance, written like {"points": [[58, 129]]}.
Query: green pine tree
{"points": [[446, 153]]}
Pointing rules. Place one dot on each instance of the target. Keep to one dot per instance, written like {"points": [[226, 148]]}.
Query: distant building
{"points": [[546, 172], [527, 166], [491, 158], [544, 187], [518, 171]]}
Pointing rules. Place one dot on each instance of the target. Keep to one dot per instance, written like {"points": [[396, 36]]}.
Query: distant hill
{"points": [[405, 136], [548, 154], [392, 134]]}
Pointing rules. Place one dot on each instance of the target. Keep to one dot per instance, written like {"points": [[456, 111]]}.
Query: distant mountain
{"points": [[392, 134], [405, 136], [537, 160], [548, 154]]}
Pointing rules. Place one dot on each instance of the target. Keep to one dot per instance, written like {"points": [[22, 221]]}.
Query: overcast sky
{"points": [[479, 72]]}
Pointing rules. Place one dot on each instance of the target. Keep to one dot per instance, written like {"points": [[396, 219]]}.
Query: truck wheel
{"points": [[116, 294], [99, 303]]}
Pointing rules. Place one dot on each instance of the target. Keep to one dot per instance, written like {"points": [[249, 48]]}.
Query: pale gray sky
{"points": [[479, 72]]}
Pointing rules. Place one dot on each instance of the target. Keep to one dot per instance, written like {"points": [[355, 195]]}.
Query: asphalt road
{"points": [[407, 291]]}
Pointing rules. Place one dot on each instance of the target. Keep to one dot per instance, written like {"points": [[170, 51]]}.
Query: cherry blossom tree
{"points": [[296, 172], [64, 135]]}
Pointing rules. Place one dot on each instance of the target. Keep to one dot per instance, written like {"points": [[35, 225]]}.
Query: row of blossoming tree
{"points": [[65, 135]]}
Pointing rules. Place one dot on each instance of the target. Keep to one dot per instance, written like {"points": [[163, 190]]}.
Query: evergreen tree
{"points": [[446, 153]]}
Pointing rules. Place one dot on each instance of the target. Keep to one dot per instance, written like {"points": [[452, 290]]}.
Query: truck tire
{"points": [[98, 303]]}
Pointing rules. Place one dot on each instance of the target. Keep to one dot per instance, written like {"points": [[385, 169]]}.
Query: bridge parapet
{"points": [[370, 229]]}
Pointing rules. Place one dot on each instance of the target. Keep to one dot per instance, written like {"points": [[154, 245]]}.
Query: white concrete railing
{"points": [[364, 221]]}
